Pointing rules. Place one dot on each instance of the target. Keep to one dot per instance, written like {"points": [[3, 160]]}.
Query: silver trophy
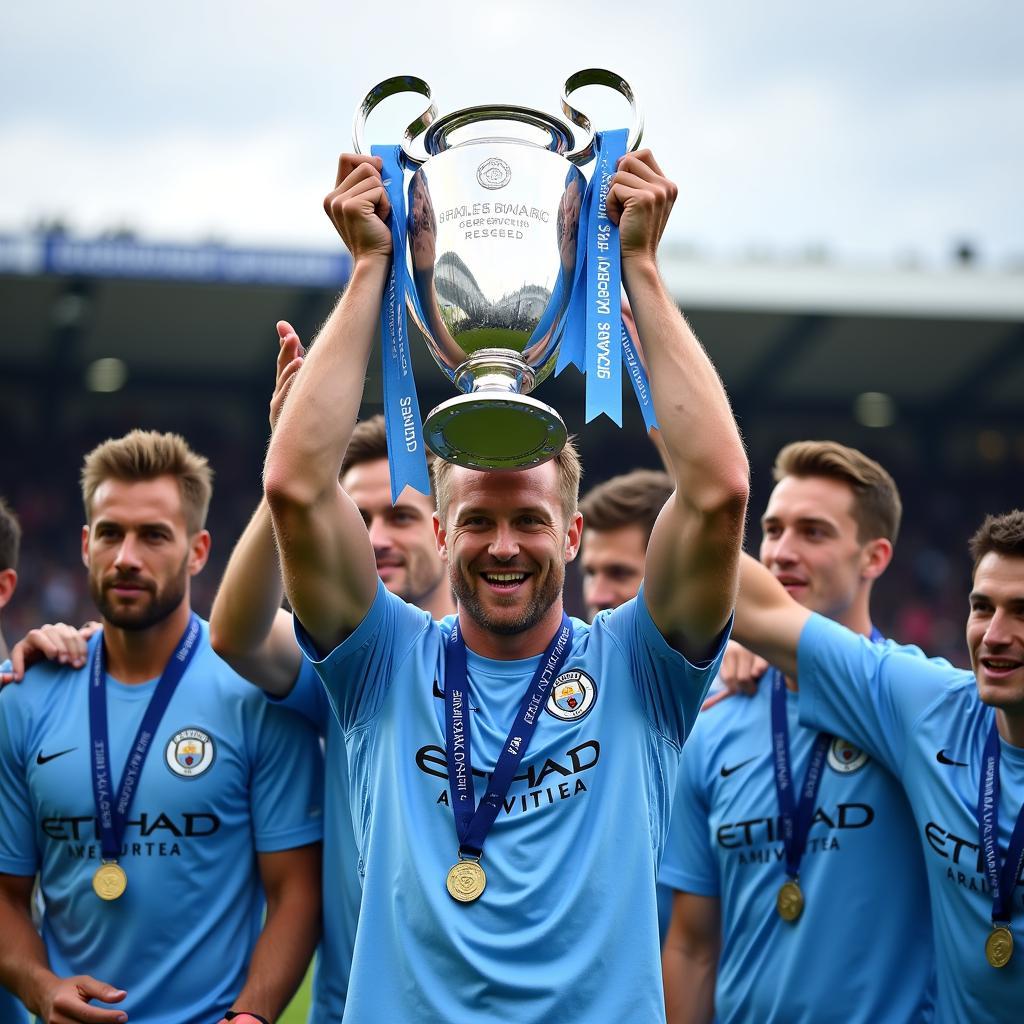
{"points": [[494, 216]]}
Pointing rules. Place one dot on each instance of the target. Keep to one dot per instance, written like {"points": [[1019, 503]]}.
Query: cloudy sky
{"points": [[875, 130]]}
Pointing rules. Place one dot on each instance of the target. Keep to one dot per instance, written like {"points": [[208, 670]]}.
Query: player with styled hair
{"points": [[790, 847], [955, 741], [162, 801]]}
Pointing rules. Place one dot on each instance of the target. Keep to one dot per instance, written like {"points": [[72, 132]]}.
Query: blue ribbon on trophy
{"points": [[402, 423], [638, 378], [595, 306]]}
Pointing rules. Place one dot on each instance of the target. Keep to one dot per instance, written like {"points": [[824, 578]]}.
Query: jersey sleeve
{"points": [[286, 797], [689, 863], [358, 672], [870, 694], [19, 852], [670, 687], [307, 697]]}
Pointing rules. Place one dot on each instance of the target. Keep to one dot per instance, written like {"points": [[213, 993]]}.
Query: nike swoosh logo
{"points": [[943, 758], [49, 757], [439, 694], [726, 772]]}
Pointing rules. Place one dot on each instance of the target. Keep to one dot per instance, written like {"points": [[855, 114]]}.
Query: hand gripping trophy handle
{"points": [[492, 249]]}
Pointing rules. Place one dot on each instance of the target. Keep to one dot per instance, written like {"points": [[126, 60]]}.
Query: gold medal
{"points": [[790, 900], [999, 946], [466, 881], [110, 881]]}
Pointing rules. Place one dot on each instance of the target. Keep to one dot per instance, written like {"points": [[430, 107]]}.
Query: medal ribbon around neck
{"points": [[111, 811], [473, 823], [1002, 877], [796, 817]]}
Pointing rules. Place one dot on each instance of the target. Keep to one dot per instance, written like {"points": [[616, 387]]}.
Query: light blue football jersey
{"points": [[227, 777], [342, 891], [10, 1008], [925, 723], [567, 928], [861, 951]]}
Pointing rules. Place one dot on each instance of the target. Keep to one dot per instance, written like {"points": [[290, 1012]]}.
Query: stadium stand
{"points": [[922, 369]]}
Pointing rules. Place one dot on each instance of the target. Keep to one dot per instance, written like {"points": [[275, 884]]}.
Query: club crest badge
{"points": [[190, 753], [844, 757], [572, 696]]}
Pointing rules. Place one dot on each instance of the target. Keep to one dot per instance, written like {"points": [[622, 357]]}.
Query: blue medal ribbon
{"points": [[402, 422], [796, 817], [472, 823], [112, 811], [1002, 877]]}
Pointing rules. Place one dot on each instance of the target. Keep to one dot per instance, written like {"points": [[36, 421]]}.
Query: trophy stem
{"points": [[495, 369]]}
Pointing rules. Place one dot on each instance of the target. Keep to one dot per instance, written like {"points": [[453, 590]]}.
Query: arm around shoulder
{"points": [[768, 620]]}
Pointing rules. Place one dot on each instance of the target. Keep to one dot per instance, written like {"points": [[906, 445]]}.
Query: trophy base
{"points": [[488, 431]]}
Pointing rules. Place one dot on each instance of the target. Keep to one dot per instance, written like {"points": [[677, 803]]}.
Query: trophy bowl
{"points": [[493, 225]]}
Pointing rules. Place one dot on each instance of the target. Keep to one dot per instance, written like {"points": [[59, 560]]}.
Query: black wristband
{"points": [[232, 1014]]}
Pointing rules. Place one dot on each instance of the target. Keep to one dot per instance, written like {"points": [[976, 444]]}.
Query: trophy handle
{"points": [[560, 136], [599, 76], [380, 92]]}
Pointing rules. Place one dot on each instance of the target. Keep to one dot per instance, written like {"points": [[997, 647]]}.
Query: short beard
{"points": [[162, 603], [538, 606]]}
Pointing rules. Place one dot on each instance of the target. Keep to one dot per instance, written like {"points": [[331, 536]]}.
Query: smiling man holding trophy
{"points": [[535, 902]]}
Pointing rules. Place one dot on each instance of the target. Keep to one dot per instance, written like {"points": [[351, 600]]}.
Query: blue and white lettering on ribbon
{"points": [[1002, 876], [638, 378], [402, 423], [595, 305], [111, 811], [473, 823], [604, 288]]}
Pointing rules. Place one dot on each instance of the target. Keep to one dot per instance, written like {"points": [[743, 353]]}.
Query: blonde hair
{"points": [[877, 508], [146, 455], [567, 463]]}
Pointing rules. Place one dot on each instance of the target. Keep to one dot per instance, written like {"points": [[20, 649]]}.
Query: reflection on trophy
{"points": [[493, 225]]}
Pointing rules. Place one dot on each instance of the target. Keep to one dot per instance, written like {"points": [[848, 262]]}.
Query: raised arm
{"points": [[691, 577], [768, 620], [329, 571], [248, 627]]}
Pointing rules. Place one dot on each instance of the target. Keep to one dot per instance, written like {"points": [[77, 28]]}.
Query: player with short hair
{"points": [[163, 802], [250, 630], [953, 738], [538, 904], [618, 517], [792, 930]]}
